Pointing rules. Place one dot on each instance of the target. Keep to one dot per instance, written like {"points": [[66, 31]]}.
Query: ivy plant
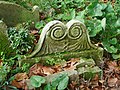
{"points": [[36, 81], [102, 21], [59, 82], [20, 38]]}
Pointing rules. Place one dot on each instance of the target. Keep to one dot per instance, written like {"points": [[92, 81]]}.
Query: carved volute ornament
{"points": [[58, 37]]}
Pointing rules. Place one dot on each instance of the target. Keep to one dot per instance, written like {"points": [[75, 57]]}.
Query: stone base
{"points": [[95, 54]]}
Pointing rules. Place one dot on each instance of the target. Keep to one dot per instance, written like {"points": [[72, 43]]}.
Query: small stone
{"points": [[90, 72]]}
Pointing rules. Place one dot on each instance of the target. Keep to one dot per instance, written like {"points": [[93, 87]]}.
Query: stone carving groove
{"points": [[75, 30], [51, 39], [57, 31], [77, 36], [58, 37]]}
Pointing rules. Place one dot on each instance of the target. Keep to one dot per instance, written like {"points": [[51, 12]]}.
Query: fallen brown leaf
{"points": [[38, 69], [112, 82], [19, 81]]}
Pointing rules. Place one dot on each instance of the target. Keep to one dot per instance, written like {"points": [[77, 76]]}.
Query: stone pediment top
{"points": [[57, 37]]}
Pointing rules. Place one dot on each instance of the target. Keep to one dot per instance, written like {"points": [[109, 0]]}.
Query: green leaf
{"points": [[109, 8], [73, 13], [63, 83], [92, 5], [95, 27], [39, 25], [66, 16], [56, 80], [36, 81], [103, 6], [111, 49], [60, 82], [103, 23], [118, 31], [59, 16], [47, 87], [80, 16], [113, 41], [94, 9], [97, 10], [117, 24], [116, 56]]}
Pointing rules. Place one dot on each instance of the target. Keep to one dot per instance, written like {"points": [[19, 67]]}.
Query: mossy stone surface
{"points": [[94, 54], [4, 42], [90, 72], [12, 14], [64, 41]]}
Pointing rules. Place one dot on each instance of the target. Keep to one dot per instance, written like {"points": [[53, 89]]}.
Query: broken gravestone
{"points": [[4, 42], [12, 14], [64, 41]]}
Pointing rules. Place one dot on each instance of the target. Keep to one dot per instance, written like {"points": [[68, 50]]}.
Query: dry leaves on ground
{"points": [[110, 80]]}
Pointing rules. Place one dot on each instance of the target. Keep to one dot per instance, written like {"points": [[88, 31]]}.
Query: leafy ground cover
{"points": [[102, 19], [109, 81]]}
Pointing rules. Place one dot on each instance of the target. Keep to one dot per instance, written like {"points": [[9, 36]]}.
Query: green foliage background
{"points": [[101, 19]]}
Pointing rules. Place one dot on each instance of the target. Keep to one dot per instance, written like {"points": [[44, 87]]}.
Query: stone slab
{"points": [[12, 14]]}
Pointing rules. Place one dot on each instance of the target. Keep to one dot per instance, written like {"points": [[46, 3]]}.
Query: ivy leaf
{"points": [[97, 10], [118, 31], [103, 6], [113, 41], [66, 16], [117, 24], [95, 28], [73, 13], [57, 79], [110, 8], [39, 25], [60, 82], [111, 49], [59, 16], [103, 23], [116, 56], [36, 81], [80, 16], [47, 87], [63, 83]]}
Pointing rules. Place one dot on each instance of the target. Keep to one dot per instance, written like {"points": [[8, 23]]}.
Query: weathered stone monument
{"points": [[4, 42], [69, 41], [13, 14], [66, 41], [57, 40], [63, 41]]}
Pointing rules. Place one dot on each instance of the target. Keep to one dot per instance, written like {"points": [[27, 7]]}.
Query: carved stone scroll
{"points": [[52, 39], [70, 40], [58, 37], [78, 38]]}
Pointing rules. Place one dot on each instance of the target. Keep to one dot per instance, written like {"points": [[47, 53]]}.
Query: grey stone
{"points": [[4, 42], [84, 62], [90, 72], [70, 40], [12, 14]]}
